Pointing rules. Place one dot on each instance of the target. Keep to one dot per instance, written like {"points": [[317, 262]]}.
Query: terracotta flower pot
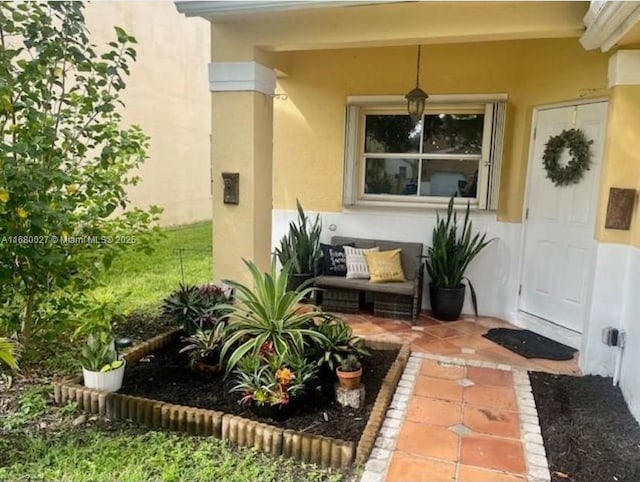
{"points": [[349, 380]]}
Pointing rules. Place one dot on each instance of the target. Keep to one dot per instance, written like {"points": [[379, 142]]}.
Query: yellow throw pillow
{"points": [[385, 266]]}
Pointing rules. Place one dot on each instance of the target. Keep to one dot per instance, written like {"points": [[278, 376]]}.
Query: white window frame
{"points": [[489, 164]]}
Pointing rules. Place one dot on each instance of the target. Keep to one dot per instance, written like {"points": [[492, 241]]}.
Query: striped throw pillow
{"points": [[356, 262]]}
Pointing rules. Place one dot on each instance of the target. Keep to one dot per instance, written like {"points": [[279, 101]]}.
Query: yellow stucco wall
{"points": [[242, 123], [622, 166], [309, 125], [168, 95]]}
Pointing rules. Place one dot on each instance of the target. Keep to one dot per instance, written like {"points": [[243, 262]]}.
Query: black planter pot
{"points": [[295, 280], [279, 413], [446, 303]]}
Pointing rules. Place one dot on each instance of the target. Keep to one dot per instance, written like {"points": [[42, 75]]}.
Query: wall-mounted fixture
{"points": [[620, 208], [231, 191], [416, 98]]}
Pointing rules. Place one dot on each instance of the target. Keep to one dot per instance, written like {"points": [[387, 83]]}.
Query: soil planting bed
{"points": [[588, 431], [165, 376]]}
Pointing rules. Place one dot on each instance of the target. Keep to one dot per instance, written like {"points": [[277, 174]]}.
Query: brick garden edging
{"points": [[301, 446]]}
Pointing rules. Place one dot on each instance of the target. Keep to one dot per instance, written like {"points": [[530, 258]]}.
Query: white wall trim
{"points": [[624, 68], [241, 77], [549, 329], [607, 23]]}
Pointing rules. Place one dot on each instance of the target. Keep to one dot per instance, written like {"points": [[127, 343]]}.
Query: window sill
{"points": [[459, 203]]}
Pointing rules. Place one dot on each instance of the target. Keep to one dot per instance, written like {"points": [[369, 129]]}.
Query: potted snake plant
{"points": [[448, 257], [300, 248]]}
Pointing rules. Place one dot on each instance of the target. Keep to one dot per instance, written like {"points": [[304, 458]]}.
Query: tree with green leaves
{"points": [[65, 160]]}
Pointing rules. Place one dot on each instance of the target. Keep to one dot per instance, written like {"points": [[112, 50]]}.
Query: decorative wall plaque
{"points": [[231, 191], [620, 208]]}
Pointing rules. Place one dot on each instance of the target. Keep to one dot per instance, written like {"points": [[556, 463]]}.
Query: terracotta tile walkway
{"points": [[462, 422], [460, 339]]}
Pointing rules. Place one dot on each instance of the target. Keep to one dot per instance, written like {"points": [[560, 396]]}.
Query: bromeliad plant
{"points": [[452, 250], [195, 307], [301, 246], [267, 379], [339, 342], [270, 314], [204, 346]]}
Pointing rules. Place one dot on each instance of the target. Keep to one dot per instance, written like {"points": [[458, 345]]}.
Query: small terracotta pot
{"points": [[349, 380]]}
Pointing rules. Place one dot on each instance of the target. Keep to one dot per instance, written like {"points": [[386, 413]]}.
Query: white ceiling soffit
{"points": [[607, 22], [213, 9]]}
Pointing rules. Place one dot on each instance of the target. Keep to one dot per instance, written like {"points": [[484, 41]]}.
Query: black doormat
{"points": [[530, 344], [589, 433]]}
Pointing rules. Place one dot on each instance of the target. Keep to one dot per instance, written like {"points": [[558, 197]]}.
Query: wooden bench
{"points": [[401, 300]]}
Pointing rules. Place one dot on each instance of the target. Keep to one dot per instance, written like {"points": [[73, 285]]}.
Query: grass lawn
{"points": [[39, 442], [89, 454], [139, 282]]}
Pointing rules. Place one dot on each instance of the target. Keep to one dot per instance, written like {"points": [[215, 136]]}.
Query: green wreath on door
{"points": [[579, 150]]}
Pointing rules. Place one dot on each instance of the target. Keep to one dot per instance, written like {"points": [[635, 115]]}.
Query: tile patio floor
{"points": [[462, 422]]}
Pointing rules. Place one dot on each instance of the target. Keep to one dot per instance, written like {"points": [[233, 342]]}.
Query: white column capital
{"points": [[624, 68], [241, 77]]}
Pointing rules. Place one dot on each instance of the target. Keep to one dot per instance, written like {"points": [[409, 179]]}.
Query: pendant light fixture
{"points": [[416, 98]]}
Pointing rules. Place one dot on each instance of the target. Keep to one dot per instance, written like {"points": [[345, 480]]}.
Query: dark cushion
{"points": [[357, 242], [334, 262]]}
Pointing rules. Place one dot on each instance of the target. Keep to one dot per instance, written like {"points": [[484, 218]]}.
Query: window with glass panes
{"points": [[454, 150]]}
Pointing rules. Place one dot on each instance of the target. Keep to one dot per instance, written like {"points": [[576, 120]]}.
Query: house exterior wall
{"points": [[629, 379], [167, 95], [623, 166], [309, 154], [309, 125]]}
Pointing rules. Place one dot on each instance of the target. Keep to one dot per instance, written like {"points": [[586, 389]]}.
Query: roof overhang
{"points": [[216, 9], [608, 22]]}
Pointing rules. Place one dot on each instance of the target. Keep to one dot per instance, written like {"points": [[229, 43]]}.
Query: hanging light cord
{"points": [[418, 68]]}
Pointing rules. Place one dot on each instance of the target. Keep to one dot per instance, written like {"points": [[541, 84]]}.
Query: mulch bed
{"points": [[166, 376], [588, 431]]}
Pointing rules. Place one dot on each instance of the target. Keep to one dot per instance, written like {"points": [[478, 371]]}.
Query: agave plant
{"points": [[268, 314], [8, 353], [452, 250], [301, 246]]}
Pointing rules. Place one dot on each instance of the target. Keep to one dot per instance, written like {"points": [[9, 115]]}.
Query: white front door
{"points": [[559, 244]]}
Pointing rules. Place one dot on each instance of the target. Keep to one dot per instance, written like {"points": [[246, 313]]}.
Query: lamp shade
{"points": [[416, 100]]}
